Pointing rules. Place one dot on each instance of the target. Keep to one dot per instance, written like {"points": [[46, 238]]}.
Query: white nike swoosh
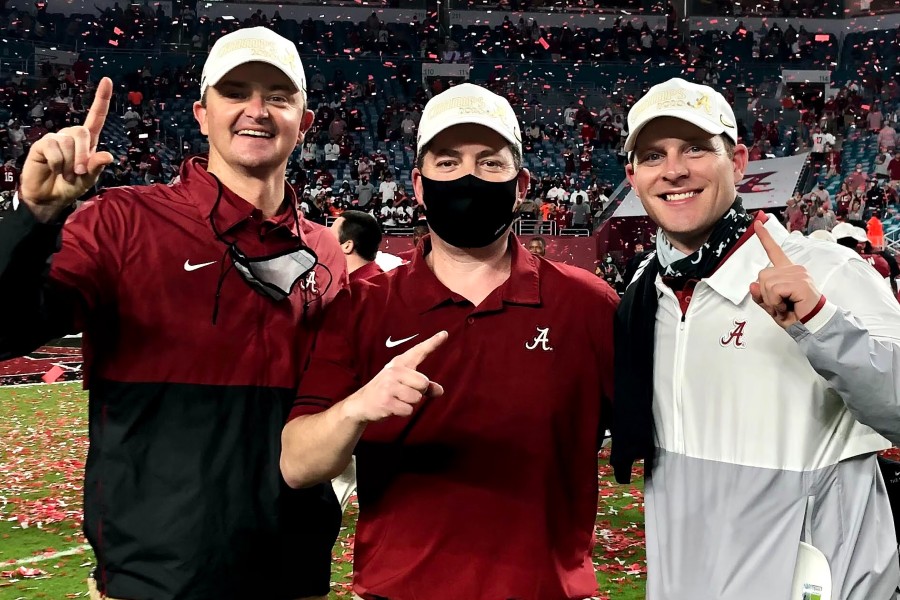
{"points": [[391, 343], [189, 267]]}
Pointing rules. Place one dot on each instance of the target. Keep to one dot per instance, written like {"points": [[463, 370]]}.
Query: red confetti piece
{"points": [[543, 43], [53, 374], [23, 572], [822, 37]]}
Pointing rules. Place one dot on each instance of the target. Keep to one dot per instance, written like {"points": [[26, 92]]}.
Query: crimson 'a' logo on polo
{"points": [[735, 337], [542, 339]]}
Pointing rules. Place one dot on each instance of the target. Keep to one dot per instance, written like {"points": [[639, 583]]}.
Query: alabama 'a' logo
{"points": [[308, 283], [542, 340], [735, 337]]}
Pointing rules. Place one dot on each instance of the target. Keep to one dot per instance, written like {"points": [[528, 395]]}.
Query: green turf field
{"points": [[43, 444]]}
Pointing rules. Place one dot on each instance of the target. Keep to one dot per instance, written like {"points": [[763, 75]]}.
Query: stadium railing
{"points": [[534, 227]]}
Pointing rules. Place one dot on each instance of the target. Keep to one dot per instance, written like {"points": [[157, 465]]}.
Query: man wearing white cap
{"points": [[855, 238], [477, 466], [197, 300], [757, 375]]}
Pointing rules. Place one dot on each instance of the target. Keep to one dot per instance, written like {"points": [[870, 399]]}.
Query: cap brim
{"points": [[472, 120], [213, 78], [690, 117]]}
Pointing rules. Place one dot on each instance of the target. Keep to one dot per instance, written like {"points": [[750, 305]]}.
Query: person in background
{"points": [[853, 237], [359, 235], [537, 246], [857, 211]]}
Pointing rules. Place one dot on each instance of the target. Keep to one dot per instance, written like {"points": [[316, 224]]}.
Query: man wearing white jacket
{"points": [[757, 374]]}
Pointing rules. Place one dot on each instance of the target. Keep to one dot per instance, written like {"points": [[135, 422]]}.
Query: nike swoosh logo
{"points": [[391, 343], [189, 267]]}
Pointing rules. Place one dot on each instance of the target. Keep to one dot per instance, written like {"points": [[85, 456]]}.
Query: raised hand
{"points": [[784, 290], [398, 387], [62, 166]]}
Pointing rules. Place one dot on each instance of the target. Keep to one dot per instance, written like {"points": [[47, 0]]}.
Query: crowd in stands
{"points": [[807, 9], [144, 26], [335, 171]]}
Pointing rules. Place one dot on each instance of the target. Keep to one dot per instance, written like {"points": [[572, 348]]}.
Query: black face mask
{"points": [[469, 212]]}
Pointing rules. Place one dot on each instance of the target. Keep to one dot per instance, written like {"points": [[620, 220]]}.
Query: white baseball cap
{"points": [[697, 104], [254, 44], [823, 235], [469, 103], [846, 230]]}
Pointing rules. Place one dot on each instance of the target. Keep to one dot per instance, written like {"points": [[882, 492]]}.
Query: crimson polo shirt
{"points": [[368, 270], [490, 491]]}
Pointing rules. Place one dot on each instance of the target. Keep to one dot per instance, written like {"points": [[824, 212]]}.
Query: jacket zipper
{"points": [[677, 416]]}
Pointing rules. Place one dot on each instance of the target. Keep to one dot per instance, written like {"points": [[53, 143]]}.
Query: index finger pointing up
{"points": [[413, 357], [96, 116], [776, 255]]}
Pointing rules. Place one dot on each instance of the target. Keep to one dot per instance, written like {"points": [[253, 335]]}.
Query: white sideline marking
{"points": [[43, 557], [21, 385]]}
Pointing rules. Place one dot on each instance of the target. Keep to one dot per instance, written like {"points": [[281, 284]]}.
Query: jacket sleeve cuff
{"points": [[814, 321], [816, 309]]}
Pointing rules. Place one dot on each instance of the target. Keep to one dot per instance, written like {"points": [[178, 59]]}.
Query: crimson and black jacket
{"points": [[184, 498]]}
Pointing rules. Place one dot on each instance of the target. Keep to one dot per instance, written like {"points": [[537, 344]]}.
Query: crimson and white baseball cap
{"points": [[469, 103], [254, 44], [697, 104]]}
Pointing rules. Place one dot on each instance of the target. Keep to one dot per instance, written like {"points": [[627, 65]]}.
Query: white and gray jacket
{"points": [[748, 427]]}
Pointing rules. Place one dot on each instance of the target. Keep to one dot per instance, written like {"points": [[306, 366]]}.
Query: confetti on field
{"points": [[53, 374], [42, 460], [22, 572], [43, 445]]}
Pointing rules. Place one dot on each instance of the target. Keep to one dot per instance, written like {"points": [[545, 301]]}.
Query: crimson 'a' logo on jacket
{"points": [[736, 336]]}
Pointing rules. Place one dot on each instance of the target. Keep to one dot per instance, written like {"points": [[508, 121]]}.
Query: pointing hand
{"points": [[784, 290], [62, 166], [398, 387]]}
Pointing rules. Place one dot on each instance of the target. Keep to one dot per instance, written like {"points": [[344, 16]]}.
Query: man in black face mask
{"points": [[453, 483], [469, 203]]}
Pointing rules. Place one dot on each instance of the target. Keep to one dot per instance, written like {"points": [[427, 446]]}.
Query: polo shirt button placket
{"points": [[470, 320]]}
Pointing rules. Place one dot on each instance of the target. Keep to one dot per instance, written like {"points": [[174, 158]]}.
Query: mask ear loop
{"points": [[223, 272]]}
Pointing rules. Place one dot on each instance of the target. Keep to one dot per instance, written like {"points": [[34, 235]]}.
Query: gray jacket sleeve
{"points": [[854, 344]]}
